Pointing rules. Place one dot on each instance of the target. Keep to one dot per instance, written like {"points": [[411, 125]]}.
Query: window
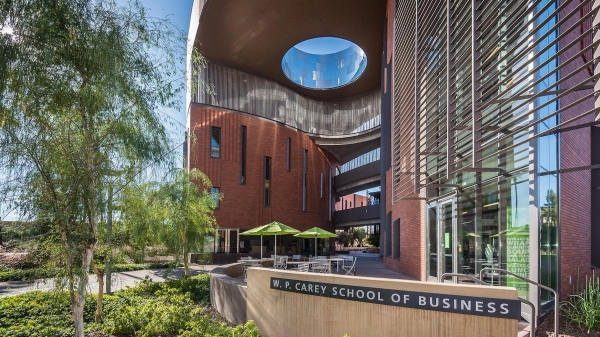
{"points": [[214, 194], [388, 234], [243, 155], [304, 158], [321, 186], [288, 155], [330, 187], [215, 142], [267, 190], [396, 238]]}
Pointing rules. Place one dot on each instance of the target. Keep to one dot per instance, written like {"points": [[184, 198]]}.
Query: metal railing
{"points": [[556, 298]]}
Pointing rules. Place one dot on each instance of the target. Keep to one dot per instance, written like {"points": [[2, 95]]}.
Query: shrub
{"points": [[197, 288], [146, 317], [149, 309], [203, 325], [40, 313], [28, 274], [583, 309], [40, 273]]}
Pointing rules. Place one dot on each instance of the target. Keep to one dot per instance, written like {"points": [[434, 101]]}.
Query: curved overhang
{"points": [[347, 147], [253, 36]]}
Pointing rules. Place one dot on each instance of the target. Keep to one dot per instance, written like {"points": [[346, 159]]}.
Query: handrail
{"points": [[533, 316], [479, 281], [476, 280], [556, 298]]}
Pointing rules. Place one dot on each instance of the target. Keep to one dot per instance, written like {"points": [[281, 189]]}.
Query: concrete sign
{"points": [[479, 306]]}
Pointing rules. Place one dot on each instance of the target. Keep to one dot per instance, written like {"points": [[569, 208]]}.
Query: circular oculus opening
{"points": [[324, 63]]}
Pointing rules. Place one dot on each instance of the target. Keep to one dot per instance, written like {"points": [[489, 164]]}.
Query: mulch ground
{"points": [[546, 328]]}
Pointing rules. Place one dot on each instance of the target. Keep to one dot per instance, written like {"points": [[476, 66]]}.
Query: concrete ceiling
{"points": [[347, 147], [253, 36]]}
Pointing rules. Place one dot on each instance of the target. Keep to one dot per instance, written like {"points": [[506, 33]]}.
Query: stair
{"points": [[524, 329]]}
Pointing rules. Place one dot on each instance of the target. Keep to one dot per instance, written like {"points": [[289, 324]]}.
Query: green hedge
{"points": [[40, 273], [172, 308]]}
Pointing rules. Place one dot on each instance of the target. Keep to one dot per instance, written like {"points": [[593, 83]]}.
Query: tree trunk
{"points": [[78, 298], [100, 277], [185, 260]]}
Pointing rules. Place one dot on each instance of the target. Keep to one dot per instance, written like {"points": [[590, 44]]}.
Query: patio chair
{"points": [[281, 262], [350, 269], [302, 267], [321, 267]]}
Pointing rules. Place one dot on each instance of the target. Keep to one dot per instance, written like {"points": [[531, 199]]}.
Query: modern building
{"points": [[478, 120]]}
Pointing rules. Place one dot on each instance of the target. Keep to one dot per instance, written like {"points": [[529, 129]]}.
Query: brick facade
{"points": [[243, 204], [575, 151]]}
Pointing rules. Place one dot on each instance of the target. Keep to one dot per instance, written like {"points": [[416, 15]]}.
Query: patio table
{"points": [[337, 261]]}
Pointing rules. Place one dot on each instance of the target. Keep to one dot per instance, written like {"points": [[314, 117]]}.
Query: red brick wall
{"points": [[243, 205], [410, 212], [351, 201], [575, 150]]}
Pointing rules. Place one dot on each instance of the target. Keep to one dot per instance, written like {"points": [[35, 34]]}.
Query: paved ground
{"points": [[119, 280], [371, 265], [367, 265]]}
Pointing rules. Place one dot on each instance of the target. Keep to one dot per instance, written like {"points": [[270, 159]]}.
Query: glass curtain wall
{"points": [[498, 217]]}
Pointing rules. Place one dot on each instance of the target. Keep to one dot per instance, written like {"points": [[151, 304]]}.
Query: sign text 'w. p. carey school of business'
{"points": [[480, 306]]}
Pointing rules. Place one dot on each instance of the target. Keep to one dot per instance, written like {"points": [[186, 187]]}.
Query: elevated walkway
{"points": [[347, 147], [358, 179], [359, 216]]}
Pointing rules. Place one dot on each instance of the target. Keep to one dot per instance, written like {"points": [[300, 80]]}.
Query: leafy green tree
{"points": [[81, 84], [141, 216], [372, 240], [358, 235], [188, 213], [344, 239], [550, 209]]}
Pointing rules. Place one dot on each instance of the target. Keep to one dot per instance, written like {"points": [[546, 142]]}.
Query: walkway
{"points": [[119, 280], [371, 265]]}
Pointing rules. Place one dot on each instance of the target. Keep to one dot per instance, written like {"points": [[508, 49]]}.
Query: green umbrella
{"points": [[272, 228], [316, 233]]}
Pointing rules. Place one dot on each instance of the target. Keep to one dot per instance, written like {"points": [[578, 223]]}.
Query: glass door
{"points": [[446, 230], [441, 239], [432, 243]]}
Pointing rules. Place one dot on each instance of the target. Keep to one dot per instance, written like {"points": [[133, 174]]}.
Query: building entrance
{"points": [[441, 237]]}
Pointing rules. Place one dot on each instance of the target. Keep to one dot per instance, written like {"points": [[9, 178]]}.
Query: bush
{"points": [[28, 274], [41, 273], [197, 288], [40, 313], [583, 309], [149, 309]]}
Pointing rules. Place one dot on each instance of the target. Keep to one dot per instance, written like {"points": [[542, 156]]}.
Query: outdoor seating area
{"points": [[342, 265]]}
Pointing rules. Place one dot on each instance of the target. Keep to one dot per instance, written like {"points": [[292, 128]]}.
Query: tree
{"points": [[188, 212], [141, 216], [358, 234], [79, 96], [344, 239], [372, 240]]}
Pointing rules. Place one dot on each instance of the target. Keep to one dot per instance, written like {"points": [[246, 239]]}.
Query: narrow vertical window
{"points": [[288, 155], [214, 194], [267, 190], [321, 186], [215, 142], [329, 188], [396, 239], [243, 155], [304, 158]]}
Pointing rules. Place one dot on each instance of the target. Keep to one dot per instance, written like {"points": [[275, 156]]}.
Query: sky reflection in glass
{"points": [[324, 68]]}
